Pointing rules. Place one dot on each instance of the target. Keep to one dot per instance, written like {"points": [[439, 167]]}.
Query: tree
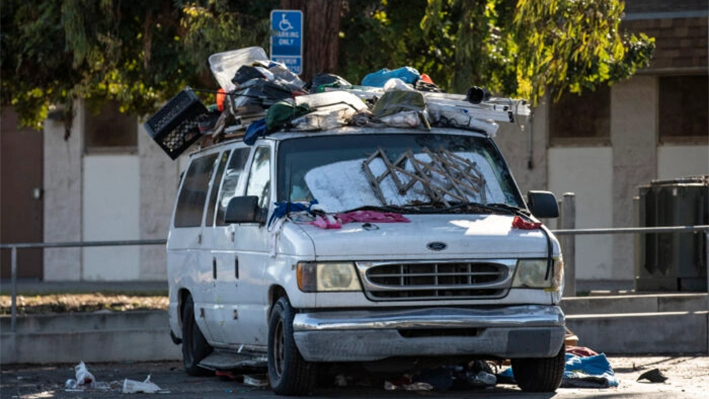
{"points": [[142, 53], [321, 34], [524, 47], [138, 53]]}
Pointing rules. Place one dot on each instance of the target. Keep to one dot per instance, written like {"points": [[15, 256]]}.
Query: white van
{"points": [[378, 245]]}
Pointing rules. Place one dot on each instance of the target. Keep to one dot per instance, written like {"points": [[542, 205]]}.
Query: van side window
{"points": [[231, 181], [209, 220], [190, 203], [260, 176]]}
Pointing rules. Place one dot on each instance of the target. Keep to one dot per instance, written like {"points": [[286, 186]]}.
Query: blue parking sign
{"points": [[287, 38]]}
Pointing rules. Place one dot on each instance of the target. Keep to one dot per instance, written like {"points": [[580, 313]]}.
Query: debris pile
{"points": [[259, 97]]}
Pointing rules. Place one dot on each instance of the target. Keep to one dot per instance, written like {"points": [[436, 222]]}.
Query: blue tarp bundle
{"points": [[583, 372]]}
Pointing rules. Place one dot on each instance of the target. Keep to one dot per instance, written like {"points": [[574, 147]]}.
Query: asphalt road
{"points": [[688, 377]]}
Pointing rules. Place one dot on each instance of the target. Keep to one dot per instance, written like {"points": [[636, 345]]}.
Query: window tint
{"points": [[209, 221], [231, 182], [260, 176], [190, 203]]}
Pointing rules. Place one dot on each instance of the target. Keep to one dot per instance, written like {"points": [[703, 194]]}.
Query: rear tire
{"points": [[540, 375], [194, 345], [289, 373]]}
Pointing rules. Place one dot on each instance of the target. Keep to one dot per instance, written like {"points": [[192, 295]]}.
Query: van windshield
{"points": [[437, 171]]}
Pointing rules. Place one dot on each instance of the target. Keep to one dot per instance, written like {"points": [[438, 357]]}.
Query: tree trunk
{"points": [[321, 36]]}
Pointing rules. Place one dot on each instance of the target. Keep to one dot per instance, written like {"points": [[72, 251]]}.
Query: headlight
{"points": [[327, 276], [531, 273]]}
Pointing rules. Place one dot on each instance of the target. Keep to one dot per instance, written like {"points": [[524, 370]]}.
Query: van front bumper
{"points": [[509, 332]]}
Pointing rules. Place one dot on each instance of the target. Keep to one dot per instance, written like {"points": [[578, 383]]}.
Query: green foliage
{"points": [[515, 47], [138, 53], [142, 53], [573, 45], [525, 47]]}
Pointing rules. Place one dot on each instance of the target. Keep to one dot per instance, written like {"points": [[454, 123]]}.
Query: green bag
{"points": [[282, 112]]}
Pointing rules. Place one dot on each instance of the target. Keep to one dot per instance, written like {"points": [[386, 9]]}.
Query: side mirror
{"points": [[543, 204], [243, 210]]}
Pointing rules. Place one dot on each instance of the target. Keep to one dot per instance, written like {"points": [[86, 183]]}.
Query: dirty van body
{"points": [[371, 245]]}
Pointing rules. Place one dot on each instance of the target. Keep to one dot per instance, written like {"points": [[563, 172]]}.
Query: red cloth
{"points": [[519, 223]]}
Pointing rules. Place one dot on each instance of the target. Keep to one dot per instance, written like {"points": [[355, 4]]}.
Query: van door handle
{"points": [[236, 267], [214, 268]]}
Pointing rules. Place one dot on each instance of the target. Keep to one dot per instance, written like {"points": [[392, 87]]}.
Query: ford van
{"points": [[390, 247]]}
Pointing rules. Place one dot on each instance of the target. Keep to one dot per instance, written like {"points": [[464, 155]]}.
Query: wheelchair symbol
{"points": [[284, 24]]}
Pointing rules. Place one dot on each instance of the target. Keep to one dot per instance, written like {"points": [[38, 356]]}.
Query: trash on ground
{"points": [[256, 380], [579, 372], [654, 376], [147, 386], [416, 386], [83, 376], [84, 379]]}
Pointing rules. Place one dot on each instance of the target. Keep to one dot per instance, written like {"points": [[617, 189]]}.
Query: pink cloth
{"points": [[326, 222], [372, 216], [336, 221]]}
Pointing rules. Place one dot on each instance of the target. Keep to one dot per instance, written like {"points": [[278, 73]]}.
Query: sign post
{"points": [[287, 38]]}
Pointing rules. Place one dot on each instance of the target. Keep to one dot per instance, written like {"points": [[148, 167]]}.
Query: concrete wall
{"points": [[111, 198], [587, 172], [633, 135], [159, 177], [62, 197], [117, 196], [675, 161]]}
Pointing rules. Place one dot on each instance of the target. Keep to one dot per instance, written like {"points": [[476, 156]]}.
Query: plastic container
{"points": [[175, 126], [224, 65]]}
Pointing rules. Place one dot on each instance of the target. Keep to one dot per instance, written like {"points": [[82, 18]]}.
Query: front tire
{"points": [[288, 372], [540, 375], [194, 345]]}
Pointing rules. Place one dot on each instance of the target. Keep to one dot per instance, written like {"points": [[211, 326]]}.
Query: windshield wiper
{"points": [[489, 208], [511, 208], [418, 208]]}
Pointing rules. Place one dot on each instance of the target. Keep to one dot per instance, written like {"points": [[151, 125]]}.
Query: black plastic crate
{"points": [[175, 126]]}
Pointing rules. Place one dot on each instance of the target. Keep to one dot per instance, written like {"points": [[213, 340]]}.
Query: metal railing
{"points": [[13, 260], [569, 262]]}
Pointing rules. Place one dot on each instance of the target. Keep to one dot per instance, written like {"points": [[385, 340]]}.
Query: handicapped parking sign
{"points": [[287, 38]]}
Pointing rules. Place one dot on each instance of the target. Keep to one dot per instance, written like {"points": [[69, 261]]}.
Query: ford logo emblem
{"points": [[436, 246]]}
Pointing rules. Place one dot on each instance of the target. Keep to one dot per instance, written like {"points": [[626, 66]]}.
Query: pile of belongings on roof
{"points": [[259, 96]]}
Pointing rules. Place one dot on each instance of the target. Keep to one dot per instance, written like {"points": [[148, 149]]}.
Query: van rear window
{"points": [[193, 195]]}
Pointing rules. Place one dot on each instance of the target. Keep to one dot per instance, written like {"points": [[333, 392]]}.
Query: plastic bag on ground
{"points": [[83, 376], [132, 386]]}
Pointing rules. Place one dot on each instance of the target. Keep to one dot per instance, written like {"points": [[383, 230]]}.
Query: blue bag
{"points": [[379, 78]]}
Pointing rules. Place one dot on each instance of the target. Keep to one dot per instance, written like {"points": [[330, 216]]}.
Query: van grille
{"points": [[444, 280]]}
